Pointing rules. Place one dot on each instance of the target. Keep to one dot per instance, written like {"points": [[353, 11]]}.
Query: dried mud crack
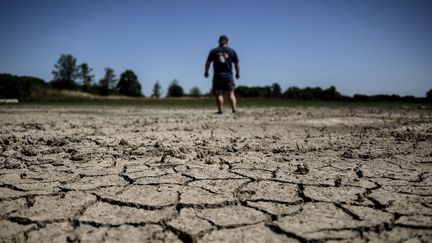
{"points": [[131, 174]]}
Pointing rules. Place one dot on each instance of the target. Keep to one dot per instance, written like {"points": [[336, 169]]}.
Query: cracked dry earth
{"points": [[131, 174]]}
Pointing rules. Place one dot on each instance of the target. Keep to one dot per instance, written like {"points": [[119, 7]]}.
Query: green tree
{"points": [[85, 76], [330, 94], [156, 90], [129, 84], [175, 90], [276, 91], [429, 95], [195, 92], [292, 93], [65, 72], [112, 82], [107, 82]]}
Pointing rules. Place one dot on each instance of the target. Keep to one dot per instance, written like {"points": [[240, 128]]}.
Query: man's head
{"points": [[223, 39]]}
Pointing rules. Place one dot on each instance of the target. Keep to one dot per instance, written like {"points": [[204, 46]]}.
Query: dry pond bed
{"points": [[131, 174]]}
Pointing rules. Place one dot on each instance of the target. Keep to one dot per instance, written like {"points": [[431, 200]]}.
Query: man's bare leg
{"points": [[219, 100], [233, 101]]}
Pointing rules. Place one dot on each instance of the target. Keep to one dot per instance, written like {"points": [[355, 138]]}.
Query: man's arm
{"points": [[206, 69], [208, 62], [237, 68]]}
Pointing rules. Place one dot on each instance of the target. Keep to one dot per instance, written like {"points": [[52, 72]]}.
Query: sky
{"points": [[359, 46]]}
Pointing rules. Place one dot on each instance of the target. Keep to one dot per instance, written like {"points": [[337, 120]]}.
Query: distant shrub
{"points": [[195, 92], [429, 96], [254, 91], [20, 87], [175, 90]]}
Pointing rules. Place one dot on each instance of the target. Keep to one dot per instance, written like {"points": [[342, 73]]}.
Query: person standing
{"points": [[223, 58]]}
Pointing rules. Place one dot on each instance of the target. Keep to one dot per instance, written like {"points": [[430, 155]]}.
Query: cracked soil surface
{"points": [[131, 174]]}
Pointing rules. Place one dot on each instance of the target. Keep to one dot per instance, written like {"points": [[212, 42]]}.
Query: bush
{"points": [[20, 87], [175, 90], [429, 96], [195, 92]]}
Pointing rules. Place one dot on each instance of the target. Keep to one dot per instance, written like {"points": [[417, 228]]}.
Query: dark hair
{"points": [[223, 39]]}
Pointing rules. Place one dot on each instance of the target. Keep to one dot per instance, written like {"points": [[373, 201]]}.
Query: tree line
{"points": [[317, 93], [294, 93], [68, 75]]}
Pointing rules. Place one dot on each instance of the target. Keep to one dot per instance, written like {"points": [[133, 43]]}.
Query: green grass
{"points": [[71, 98], [209, 102]]}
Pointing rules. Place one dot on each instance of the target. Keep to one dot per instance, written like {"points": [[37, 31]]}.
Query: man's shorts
{"points": [[223, 83]]}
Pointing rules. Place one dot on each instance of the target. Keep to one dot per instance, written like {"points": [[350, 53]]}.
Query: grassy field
{"points": [[209, 102], [66, 98]]}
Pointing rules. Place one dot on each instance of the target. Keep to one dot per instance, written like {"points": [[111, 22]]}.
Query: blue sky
{"points": [[360, 46]]}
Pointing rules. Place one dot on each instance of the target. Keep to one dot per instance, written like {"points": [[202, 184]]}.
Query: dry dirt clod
{"points": [[302, 169], [123, 142], [29, 151], [348, 154]]}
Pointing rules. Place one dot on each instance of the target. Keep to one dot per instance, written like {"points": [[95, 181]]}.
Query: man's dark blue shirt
{"points": [[223, 58]]}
